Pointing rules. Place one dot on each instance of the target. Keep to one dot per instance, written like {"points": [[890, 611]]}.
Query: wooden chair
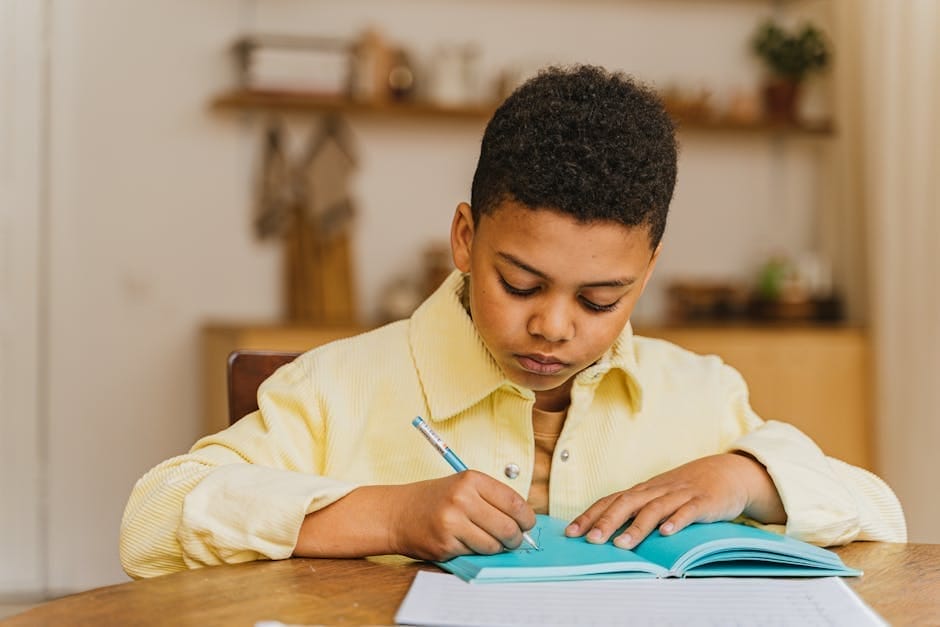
{"points": [[246, 370]]}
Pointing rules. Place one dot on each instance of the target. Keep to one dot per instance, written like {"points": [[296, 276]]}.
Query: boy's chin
{"points": [[538, 382]]}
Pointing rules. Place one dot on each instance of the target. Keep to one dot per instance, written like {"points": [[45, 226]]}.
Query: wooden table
{"points": [[901, 582]]}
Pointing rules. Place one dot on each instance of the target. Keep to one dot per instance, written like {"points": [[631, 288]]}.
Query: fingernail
{"points": [[667, 527], [595, 535], [624, 541], [572, 529]]}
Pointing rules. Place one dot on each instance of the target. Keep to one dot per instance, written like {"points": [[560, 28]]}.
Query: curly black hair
{"points": [[584, 141]]}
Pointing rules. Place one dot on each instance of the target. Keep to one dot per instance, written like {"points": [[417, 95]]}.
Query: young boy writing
{"points": [[524, 361]]}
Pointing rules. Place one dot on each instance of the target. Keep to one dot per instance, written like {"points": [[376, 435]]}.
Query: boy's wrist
{"points": [[763, 500], [357, 525]]}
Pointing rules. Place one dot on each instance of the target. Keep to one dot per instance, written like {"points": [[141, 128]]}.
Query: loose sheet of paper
{"points": [[445, 600]]}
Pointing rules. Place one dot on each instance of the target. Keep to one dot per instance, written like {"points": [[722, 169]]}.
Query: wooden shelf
{"points": [[253, 100], [817, 129]]}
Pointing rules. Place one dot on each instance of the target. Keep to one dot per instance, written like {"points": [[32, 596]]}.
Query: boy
{"points": [[525, 362]]}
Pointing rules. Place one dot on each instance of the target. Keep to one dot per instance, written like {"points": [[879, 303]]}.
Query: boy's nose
{"points": [[554, 324]]}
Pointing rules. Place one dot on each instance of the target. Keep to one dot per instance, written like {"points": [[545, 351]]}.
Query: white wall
{"points": [[410, 171], [149, 201], [22, 170], [149, 235]]}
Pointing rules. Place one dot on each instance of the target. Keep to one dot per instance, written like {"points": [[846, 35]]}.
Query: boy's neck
{"points": [[556, 399]]}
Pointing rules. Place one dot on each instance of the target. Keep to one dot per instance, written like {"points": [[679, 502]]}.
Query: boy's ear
{"points": [[461, 237], [651, 266]]}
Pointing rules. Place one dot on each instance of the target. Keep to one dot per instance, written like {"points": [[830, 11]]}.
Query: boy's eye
{"points": [[516, 291], [525, 292], [596, 307]]}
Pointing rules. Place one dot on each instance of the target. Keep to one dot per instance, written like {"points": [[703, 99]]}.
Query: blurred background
{"points": [[179, 179]]}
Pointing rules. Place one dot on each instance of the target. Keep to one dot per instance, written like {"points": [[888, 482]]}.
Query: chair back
{"points": [[246, 370]]}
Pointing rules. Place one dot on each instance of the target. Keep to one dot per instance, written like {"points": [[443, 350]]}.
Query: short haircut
{"points": [[583, 141]]}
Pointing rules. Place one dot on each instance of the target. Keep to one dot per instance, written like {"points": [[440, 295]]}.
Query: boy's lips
{"points": [[541, 364]]}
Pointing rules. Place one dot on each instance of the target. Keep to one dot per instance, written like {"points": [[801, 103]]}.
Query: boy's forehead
{"points": [[509, 211]]}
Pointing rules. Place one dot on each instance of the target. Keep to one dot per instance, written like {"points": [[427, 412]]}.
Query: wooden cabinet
{"points": [[817, 379]]}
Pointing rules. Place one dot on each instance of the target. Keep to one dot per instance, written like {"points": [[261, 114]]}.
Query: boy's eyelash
{"points": [[515, 291], [600, 308]]}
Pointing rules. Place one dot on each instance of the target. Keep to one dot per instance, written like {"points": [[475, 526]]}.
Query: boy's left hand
{"points": [[718, 487]]}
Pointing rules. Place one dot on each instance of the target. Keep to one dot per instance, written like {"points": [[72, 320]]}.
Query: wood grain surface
{"points": [[901, 583]]}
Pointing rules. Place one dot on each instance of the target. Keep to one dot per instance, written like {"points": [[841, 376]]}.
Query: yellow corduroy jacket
{"points": [[340, 417]]}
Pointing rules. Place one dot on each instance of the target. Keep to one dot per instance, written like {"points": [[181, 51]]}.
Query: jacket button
{"points": [[564, 455], [511, 471]]}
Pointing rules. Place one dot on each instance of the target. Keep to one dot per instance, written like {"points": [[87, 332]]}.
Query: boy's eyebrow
{"points": [[521, 264]]}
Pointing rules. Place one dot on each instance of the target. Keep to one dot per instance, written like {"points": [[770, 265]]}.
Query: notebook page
{"points": [[445, 600]]}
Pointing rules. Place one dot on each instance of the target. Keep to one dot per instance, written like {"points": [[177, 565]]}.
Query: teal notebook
{"points": [[721, 549]]}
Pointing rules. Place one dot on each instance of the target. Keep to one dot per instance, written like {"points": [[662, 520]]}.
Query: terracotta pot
{"points": [[781, 97]]}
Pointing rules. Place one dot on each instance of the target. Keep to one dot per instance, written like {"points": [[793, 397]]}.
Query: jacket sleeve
{"points": [[238, 495], [828, 502]]}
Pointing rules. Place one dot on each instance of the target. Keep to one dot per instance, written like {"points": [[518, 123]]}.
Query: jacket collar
{"points": [[457, 371]]}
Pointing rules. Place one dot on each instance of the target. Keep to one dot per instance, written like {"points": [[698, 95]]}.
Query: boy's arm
{"points": [[437, 519], [256, 491], [828, 501], [709, 489], [211, 507], [881, 517], [238, 495], [782, 476]]}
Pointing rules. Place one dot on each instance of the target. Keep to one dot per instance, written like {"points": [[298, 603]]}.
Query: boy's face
{"points": [[549, 295]]}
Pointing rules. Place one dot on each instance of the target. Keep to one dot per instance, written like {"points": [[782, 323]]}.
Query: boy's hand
{"points": [[469, 512], [718, 487]]}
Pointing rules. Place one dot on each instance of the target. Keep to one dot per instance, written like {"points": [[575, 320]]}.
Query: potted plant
{"points": [[789, 58]]}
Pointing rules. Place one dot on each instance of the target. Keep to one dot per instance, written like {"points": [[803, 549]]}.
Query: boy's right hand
{"points": [[469, 512]]}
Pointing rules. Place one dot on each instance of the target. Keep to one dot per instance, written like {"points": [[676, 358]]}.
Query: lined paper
{"points": [[445, 600]]}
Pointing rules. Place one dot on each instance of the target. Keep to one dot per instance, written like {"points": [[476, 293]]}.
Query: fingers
{"points": [[689, 513], [508, 514], [717, 487], [641, 505], [477, 540], [644, 508], [653, 515], [482, 514], [507, 501], [586, 521]]}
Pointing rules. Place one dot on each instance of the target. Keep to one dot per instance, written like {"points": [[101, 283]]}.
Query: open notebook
{"points": [[720, 549]]}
